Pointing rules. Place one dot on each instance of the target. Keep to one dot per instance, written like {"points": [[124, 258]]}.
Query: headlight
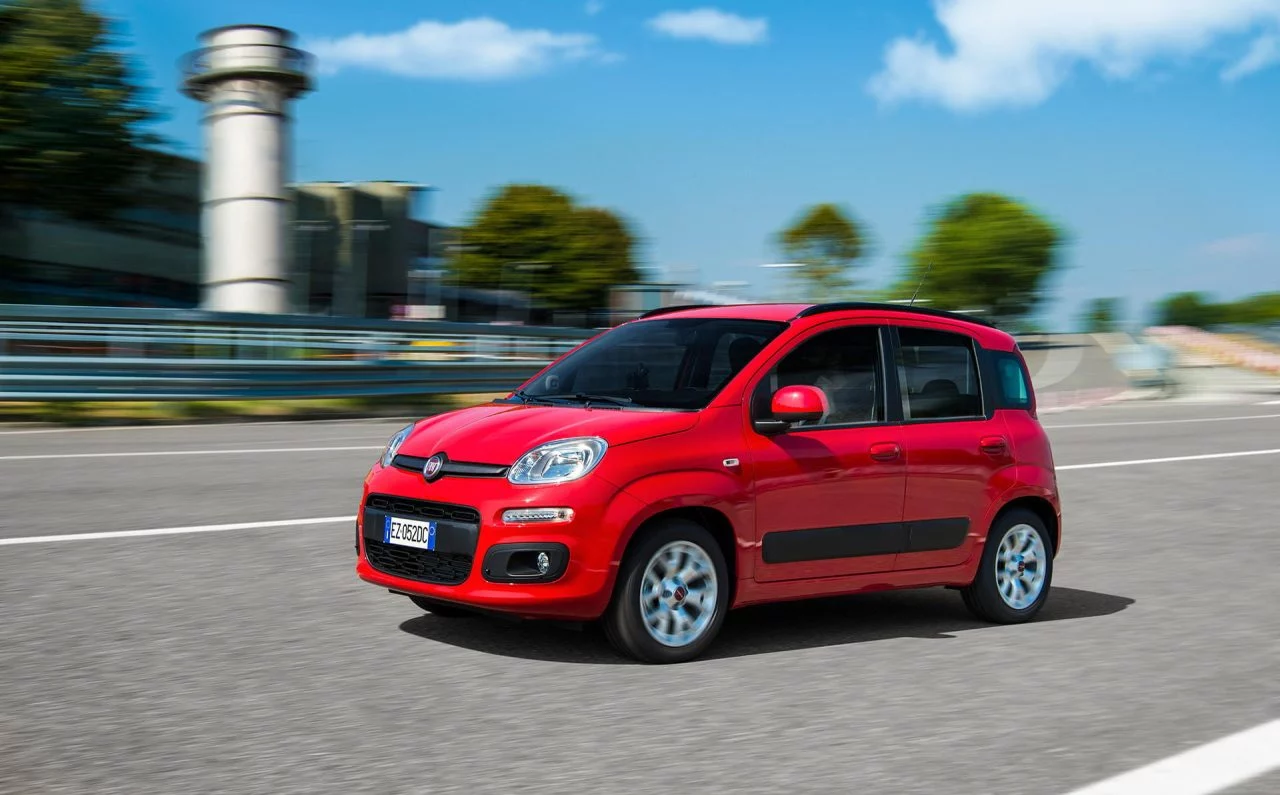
{"points": [[394, 444], [558, 462]]}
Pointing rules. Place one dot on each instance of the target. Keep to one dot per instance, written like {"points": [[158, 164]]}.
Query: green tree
{"points": [[1255, 309], [71, 118], [827, 242], [1102, 315], [1188, 309], [984, 252], [1199, 310], [536, 238]]}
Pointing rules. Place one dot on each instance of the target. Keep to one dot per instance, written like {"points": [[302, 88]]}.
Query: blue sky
{"points": [[1150, 131]]}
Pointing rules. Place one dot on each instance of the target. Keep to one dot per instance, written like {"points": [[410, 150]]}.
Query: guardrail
{"points": [[61, 353], [90, 353]]}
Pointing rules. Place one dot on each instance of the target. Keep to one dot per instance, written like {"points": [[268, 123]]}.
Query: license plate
{"points": [[409, 533]]}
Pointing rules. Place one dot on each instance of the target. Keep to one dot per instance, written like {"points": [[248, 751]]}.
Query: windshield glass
{"points": [[680, 363]]}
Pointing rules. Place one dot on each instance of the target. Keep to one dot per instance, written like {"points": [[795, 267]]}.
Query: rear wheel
{"points": [[672, 595], [439, 608], [1016, 571]]}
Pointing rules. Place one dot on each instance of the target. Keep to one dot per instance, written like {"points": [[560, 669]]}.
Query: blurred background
{"points": [[359, 207], [359, 213]]}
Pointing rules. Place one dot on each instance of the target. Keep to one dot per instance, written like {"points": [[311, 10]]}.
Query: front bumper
{"points": [[483, 563]]}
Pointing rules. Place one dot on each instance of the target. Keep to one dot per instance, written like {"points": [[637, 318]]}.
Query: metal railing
{"points": [[91, 353], [60, 353]]}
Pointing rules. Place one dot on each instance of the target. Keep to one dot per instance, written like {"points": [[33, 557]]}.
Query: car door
{"points": [[829, 493], [954, 447]]}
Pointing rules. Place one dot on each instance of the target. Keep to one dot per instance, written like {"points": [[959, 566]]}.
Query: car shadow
{"points": [[766, 629]]}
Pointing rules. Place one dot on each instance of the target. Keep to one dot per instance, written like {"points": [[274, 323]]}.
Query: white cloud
{"points": [[1018, 52], [1238, 246], [594, 7], [473, 49], [711, 24], [1264, 52]]}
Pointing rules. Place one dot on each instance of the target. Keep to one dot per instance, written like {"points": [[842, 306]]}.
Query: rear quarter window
{"points": [[1013, 389]]}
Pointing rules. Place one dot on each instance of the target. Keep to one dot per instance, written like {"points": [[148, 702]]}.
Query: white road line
{"points": [[168, 531], [1270, 403], [1171, 459], [146, 453], [1205, 769], [336, 519], [212, 425], [1164, 422]]}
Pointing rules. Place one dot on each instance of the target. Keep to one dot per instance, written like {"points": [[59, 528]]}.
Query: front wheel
{"points": [[672, 595], [1016, 570]]}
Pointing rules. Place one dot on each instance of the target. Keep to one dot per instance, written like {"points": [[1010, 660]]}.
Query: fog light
{"points": [[532, 515], [544, 563]]}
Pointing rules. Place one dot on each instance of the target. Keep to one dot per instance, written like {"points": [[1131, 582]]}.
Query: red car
{"points": [[700, 459]]}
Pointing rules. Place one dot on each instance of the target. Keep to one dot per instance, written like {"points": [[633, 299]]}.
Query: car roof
{"points": [[776, 312], [795, 312]]}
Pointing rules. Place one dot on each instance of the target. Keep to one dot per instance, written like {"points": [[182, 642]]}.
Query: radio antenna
{"points": [[921, 284]]}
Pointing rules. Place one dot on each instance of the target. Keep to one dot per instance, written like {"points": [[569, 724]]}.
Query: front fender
{"points": [[713, 490]]}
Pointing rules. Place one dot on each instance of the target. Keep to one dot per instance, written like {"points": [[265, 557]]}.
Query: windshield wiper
{"points": [[525, 397], [588, 399]]}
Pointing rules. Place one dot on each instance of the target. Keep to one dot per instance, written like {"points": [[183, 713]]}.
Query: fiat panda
{"points": [[701, 459]]}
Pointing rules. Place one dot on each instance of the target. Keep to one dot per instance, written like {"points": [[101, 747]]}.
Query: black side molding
{"points": [[863, 540], [828, 543], [935, 535]]}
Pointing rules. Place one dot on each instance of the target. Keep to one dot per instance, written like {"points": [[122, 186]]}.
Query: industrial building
{"points": [[356, 250], [148, 255], [230, 234], [352, 246], [355, 245]]}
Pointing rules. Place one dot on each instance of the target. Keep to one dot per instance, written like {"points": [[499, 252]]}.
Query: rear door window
{"points": [[938, 374]]}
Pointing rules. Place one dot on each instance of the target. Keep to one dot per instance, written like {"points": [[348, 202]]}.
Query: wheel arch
{"points": [[712, 520], [1042, 508]]}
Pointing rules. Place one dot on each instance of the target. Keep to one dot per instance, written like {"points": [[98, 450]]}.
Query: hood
{"points": [[499, 433]]}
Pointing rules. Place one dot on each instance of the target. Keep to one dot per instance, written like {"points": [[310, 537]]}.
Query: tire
{"points": [[625, 620], [439, 608], [984, 596]]}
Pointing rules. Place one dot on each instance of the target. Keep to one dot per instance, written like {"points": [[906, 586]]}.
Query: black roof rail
{"points": [[844, 306], [666, 310]]}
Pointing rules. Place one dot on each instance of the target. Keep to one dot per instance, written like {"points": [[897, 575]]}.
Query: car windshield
{"points": [[675, 363]]}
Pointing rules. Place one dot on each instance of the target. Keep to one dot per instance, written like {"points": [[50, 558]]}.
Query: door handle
{"points": [[885, 451], [994, 445]]}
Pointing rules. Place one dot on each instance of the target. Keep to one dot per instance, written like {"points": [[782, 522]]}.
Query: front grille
{"points": [[457, 469], [435, 511], [442, 568], [458, 528]]}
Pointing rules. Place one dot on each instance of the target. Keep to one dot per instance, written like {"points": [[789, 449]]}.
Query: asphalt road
{"points": [[254, 661]]}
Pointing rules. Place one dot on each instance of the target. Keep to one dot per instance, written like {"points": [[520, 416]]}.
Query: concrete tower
{"points": [[246, 75]]}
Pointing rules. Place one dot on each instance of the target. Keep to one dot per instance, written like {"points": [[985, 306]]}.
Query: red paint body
{"points": [[745, 482]]}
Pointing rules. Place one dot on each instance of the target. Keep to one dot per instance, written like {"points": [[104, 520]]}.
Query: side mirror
{"points": [[793, 404]]}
